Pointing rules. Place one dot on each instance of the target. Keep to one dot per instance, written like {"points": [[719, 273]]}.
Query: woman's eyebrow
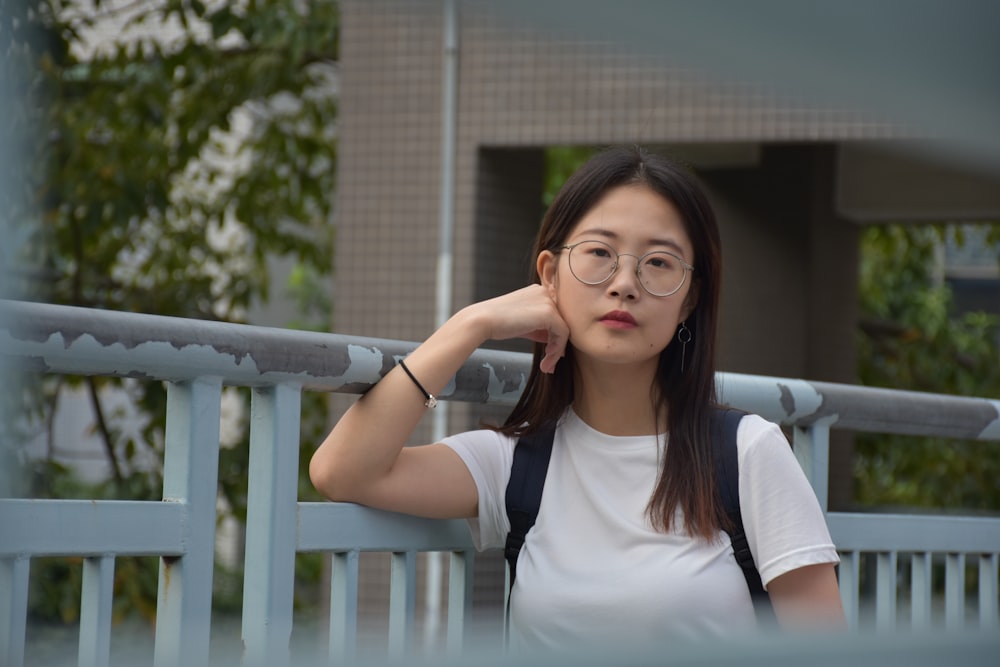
{"points": [[673, 245], [670, 243], [598, 231]]}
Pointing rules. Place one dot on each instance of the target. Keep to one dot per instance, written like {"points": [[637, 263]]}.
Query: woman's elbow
{"points": [[324, 478]]}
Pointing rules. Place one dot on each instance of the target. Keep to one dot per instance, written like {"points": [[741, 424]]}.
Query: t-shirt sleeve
{"points": [[785, 525], [488, 456]]}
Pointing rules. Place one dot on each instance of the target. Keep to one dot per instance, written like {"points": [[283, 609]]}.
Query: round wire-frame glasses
{"points": [[596, 262]]}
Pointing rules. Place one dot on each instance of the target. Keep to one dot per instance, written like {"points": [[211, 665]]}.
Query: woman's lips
{"points": [[619, 319]]}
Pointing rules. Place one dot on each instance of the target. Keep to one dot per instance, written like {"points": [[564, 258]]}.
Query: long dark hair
{"points": [[686, 478]]}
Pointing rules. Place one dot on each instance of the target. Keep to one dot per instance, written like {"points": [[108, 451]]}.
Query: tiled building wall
{"points": [[519, 91], [387, 199]]}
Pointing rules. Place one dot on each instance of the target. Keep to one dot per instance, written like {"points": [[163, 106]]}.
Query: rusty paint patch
{"points": [[168, 563]]}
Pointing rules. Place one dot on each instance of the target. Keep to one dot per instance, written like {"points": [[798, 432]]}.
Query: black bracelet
{"points": [[431, 402]]}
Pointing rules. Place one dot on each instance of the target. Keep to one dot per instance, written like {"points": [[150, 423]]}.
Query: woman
{"points": [[627, 544]]}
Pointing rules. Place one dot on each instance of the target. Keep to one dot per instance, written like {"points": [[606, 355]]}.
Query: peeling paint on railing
{"points": [[857, 408], [63, 339]]}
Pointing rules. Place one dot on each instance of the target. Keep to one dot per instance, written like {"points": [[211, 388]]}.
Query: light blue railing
{"points": [[198, 358]]}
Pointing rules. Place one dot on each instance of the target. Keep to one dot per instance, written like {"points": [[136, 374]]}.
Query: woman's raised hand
{"points": [[528, 313], [364, 460]]}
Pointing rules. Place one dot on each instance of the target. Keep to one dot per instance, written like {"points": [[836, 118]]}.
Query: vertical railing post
{"points": [[849, 572], [988, 591], [954, 591], [95, 611], [13, 609], [402, 601], [190, 476], [272, 494], [921, 591], [344, 606], [885, 591], [460, 581], [812, 449]]}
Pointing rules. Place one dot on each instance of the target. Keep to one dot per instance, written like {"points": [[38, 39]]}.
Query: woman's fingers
{"points": [[555, 349], [532, 314], [553, 332], [555, 346]]}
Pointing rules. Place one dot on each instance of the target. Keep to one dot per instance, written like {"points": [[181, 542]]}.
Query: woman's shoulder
{"points": [[758, 436], [753, 425], [479, 438]]}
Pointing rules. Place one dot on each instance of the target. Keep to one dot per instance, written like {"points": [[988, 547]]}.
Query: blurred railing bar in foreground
{"points": [[197, 358]]}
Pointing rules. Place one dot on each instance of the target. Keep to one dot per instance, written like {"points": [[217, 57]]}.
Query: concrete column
{"points": [[789, 305]]}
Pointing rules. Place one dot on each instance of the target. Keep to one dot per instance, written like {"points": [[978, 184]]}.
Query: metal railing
{"points": [[196, 359]]}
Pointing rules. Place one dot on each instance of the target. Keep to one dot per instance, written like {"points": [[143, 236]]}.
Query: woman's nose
{"points": [[625, 280]]}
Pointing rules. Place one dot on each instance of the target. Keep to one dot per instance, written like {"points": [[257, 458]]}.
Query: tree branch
{"points": [[102, 427], [881, 328], [50, 421]]}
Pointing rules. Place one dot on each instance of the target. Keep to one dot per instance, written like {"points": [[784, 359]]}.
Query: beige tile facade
{"points": [[519, 91]]}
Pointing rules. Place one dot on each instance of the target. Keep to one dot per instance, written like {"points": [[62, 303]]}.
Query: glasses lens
{"points": [[661, 273], [592, 262]]}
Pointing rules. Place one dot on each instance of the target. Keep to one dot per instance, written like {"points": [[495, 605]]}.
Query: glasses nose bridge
{"points": [[635, 274], [618, 262]]}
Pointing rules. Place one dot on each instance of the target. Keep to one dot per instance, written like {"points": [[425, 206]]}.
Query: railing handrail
{"points": [[156, 347], [50, 338]]}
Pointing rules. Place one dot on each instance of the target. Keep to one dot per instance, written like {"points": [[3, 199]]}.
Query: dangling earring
{"points": [[684, 337]]}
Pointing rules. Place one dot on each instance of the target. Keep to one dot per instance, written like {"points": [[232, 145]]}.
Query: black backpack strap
{"points": [[725, 425], [524, 490]]}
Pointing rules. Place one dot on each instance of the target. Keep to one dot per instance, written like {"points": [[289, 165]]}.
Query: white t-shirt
{"points": [[593, 568]]}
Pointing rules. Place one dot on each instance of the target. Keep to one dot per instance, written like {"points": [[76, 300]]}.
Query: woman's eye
{"points": [[599, 251], [659, 262]]}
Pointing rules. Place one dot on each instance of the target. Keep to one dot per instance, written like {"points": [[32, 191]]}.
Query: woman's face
{"points": [[617, 321]]}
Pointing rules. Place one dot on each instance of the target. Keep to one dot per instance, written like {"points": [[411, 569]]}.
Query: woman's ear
{"points": [[547, 266]]}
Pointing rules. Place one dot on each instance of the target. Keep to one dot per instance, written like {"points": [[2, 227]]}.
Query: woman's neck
{"points": [[617, 400]]}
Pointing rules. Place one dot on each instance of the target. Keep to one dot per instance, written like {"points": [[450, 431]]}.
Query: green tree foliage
{"points": [[168, 149], [911, 337], [560, 163], [151, 198]]}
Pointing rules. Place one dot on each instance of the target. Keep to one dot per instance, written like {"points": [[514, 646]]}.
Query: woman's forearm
{"points": [[360, 460], [365, 443]]}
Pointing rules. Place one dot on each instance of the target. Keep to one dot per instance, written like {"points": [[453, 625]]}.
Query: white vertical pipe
{"points": [[446, 215], [445, 268]]}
